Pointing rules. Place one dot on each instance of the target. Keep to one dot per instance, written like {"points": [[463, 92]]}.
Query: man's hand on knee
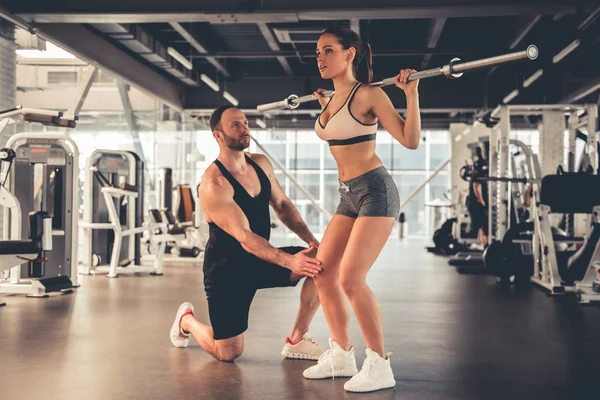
{"points": [[313, 252]]}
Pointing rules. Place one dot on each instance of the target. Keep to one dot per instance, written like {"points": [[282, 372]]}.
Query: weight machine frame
{"points": [[552, 154]]}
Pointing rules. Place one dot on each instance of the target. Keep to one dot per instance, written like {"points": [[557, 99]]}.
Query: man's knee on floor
{"points": [[230, 351], [228, 356]]}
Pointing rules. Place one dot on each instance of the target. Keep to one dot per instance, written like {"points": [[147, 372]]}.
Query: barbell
{"points": [[452, 70]]}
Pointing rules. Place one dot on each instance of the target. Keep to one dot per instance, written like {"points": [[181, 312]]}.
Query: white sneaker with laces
{"points": [[305, 349], [334, 363], [178, 338], [375, 374]]}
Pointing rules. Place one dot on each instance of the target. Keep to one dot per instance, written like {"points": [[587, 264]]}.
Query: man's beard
{"points": [[235, 144]]}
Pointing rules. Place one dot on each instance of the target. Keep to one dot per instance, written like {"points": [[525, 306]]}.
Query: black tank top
{"points": [[222, 249]]}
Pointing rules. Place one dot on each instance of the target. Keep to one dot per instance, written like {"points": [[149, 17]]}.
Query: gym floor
{"points": [[453, 337]]}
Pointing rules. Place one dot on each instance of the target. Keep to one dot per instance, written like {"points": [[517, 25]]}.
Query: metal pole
{"points": [[85, 85], [452, 70], [133, 128], [502, 216], [422, 185], [592, 111], [294, 181]]}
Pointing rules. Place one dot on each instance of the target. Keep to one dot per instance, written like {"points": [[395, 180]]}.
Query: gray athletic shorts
{"points": [[372, 194]]}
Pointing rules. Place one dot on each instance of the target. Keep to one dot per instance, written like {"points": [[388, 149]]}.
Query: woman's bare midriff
{"points": [[355, 159]]}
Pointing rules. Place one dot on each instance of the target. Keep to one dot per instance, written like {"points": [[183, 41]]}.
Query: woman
{"points": [[369, 203]]}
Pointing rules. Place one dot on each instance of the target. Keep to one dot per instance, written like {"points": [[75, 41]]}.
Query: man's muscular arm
{"points": [[216, 197], [284, 208]]}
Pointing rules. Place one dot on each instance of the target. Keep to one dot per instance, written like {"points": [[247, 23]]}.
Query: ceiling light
{"points": [[230, 98], [177, 55], [533, 78], [566, 51], [261, 123], [213, 85], [510, 96]]}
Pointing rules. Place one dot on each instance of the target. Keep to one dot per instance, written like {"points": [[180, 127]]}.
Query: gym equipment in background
{"points": [[122, 232], [16, 251], [42, 178], [122, 169]]}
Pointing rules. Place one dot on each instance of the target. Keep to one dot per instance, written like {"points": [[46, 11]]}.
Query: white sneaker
{"points": [[375, 374], [178, 338], [305, 349], [335, 362]]}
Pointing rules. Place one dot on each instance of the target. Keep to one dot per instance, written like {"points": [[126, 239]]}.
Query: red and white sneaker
{"points": [[305, 349], [178, 337]]}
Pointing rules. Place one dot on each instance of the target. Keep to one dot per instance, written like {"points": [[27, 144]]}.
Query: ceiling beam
{"points": [[185, 11], [435, 32], [589, 20], [581, 92], [519, 37], [199, 48], [272, 42], [355, 25]]}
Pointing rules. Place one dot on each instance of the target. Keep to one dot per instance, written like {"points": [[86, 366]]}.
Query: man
{"points": [[477, 200], [235, 194]]}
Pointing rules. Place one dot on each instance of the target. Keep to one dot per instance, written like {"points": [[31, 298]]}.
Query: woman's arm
{"points": [[406, 132]]}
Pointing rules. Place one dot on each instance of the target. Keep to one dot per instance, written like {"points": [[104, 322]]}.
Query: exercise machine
{"points": [[178, 209], [464, 228], [573, 271], [123, 197], [15, 252], [564, 204], [122, 170], [40, 173]]}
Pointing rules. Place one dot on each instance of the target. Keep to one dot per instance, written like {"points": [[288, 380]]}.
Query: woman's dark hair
{"points": [[362, 64]]}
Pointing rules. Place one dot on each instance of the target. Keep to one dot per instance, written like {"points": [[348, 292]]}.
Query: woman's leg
{"points": [[330, 292], [366, 241]]}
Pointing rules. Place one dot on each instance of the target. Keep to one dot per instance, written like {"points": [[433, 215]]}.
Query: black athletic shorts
{"points": [[230, 294], [479, 218]]}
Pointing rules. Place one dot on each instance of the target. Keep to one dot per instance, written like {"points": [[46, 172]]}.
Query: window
{"points": [[407, 159], [62, 77], [305, 155]]}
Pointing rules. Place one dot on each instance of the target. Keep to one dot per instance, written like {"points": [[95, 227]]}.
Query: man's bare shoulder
{"points": [[213, 182], [262, 160]]}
